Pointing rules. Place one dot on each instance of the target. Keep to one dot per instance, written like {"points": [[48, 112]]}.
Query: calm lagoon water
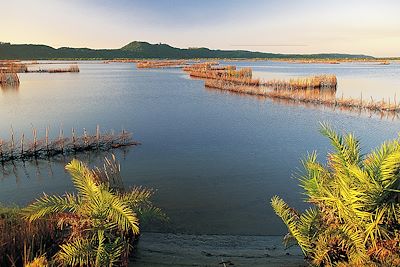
{"points": [[215, 158]]}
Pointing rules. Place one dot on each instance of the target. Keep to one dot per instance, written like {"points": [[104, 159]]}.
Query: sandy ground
{"points": [[160, 249]]}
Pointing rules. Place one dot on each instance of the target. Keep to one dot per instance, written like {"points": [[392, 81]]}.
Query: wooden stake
{"points": [[47, 139], [97, 135], [12, 139], [22, 144]]}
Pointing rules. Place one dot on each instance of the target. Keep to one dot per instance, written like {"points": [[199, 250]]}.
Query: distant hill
{"points": [[142, 50]]}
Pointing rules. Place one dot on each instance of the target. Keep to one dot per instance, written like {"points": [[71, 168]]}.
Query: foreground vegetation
{"points": [[96, 226], [355, 217]]}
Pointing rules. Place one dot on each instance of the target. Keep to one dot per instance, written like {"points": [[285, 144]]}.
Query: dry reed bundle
{"points": [[229, 67], [9, 79], [308, 61], [13, 67], [328, 60], [242, 76], [234, 87], [307, 83], [44, 148], [122, 61], [200, 66], [154, 64], [72, 68]]}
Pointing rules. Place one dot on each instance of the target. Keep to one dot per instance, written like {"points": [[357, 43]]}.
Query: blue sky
{"points": [[285, 26]]}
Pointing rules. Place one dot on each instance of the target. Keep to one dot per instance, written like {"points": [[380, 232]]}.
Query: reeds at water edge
{"points": [[8, 72], [317, 90], [306, 83], [315, 96], [200, 66], [23, 149], [9, 79], [122, 60], [154, 64], [71, 68], [226, 73], [12, 66], [21, 240]]}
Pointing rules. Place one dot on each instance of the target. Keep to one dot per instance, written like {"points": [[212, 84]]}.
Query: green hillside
{"points": [[142, 50]]}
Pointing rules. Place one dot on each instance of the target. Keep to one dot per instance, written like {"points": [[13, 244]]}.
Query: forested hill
{"points": [[142, 50]]}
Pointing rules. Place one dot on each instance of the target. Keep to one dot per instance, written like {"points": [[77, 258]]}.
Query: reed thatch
{"points": [[226, 73], [12, 66], [154, 64], [123, 60], [71, 68], [208, 65], [307, 83], [9, 79]]}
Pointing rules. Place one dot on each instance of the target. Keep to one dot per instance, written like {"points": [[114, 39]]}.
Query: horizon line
{"points": [[235, 45]]}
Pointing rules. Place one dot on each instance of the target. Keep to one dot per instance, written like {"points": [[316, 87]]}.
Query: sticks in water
{"points": [[71, 68], [44, 148]]}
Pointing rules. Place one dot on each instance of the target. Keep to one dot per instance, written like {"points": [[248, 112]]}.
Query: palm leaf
{"points": [[48, 205]]}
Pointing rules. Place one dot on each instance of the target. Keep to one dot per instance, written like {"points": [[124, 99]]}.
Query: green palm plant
{"points": [[355, 217], [100, 220]]}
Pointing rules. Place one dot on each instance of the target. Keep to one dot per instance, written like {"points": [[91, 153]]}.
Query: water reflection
{"points": [[9, 89], [45, 169]]}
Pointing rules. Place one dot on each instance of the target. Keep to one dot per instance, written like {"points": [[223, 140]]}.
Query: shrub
{"points": [[355, 215]]}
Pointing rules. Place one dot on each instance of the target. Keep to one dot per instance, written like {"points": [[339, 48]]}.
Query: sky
{"points": [[278, 26]]}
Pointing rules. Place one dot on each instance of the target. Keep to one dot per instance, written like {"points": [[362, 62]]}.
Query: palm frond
{"points": [[120, 213], [355, 220], [291, 219], [76, 253], [83, 179], [48, 205]]}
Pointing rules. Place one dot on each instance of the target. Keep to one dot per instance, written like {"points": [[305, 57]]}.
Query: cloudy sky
{"points": [[284, 26]]}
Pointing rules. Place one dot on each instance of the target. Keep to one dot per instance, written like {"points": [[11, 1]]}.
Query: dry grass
{"points": [[307, 83], [123, 60], [154, 64], [20, 240], [225, 73], [9, 79], [208, 65], [72, 68], [329, 60], [11, 66]]}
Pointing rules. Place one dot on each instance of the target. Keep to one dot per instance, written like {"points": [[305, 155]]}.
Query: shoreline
{"points": [[167, 249]]}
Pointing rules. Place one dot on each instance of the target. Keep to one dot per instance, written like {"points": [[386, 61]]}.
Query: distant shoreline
{"points": [[287, 60], [145, 50]]}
